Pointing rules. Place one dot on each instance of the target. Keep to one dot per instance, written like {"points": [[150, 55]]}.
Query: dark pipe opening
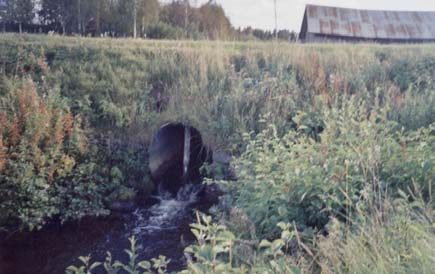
{"points": [[176, 154]]}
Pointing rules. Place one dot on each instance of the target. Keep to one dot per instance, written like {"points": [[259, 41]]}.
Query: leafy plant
{"points": [[41, 146], [134, 266], [359, 156]]}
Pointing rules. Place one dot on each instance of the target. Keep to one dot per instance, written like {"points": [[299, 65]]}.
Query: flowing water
{"points": [[161, 227]]}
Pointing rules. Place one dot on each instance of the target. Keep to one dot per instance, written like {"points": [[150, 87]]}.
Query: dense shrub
{"points": [[42, 160], [163, 30], [359, 156]]}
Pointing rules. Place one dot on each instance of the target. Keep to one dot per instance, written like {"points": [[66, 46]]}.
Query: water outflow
{"points": [[176, 155], [161, 227], [167, 213]]}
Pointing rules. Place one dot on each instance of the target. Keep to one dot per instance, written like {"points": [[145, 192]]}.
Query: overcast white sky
{"points": [[260, 13]]}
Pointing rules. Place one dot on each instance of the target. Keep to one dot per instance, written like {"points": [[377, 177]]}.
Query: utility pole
{"points": [[276, 22]]}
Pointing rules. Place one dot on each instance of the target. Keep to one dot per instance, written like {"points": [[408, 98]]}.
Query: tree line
{"points": [[127, 18]]}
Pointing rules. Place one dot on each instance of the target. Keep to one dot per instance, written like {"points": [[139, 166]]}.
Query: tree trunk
{"points": [[20, 27], [79, 18], [186, 32], [143, 27], [134, 19]]}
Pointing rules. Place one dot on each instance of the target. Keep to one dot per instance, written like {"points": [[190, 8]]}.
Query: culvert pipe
{"points": [[175, 155]]}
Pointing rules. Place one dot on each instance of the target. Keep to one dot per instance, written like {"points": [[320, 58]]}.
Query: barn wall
{"points": [[329, 24], [321, 38]]}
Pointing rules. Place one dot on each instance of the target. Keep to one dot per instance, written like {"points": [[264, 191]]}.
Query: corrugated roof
{"points": [[370, 24]]}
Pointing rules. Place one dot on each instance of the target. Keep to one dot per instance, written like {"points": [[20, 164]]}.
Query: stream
{"points": [[161, 224], [161, 227]]}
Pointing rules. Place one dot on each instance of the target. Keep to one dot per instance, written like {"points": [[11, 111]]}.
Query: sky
{"points": [[260, 13]]}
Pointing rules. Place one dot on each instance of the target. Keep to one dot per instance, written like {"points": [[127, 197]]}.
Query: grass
{"points": [[337, 140], [198, 82]]}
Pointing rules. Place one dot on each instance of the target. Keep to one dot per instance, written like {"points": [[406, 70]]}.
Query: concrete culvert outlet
{"points": [[175, 155]]}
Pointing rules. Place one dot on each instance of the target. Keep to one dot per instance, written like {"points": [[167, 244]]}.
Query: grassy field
{"points": [[334, 144]]}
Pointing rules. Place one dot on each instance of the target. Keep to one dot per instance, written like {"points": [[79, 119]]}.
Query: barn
{"points": [[332, 24]]}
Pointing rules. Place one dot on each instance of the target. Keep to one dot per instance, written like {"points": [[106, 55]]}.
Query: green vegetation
{"points": [[132, 267], [334, 146], [357, 159], [176, 19], [42, 159]]}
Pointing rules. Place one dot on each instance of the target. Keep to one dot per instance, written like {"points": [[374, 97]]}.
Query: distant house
{"points": [[331, 24]]}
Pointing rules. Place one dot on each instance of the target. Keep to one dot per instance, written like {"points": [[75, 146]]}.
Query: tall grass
{"points": [[223, 88], [398, 239]]}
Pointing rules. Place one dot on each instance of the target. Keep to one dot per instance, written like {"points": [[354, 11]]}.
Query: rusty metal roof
{"points": [[370, 24]]}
